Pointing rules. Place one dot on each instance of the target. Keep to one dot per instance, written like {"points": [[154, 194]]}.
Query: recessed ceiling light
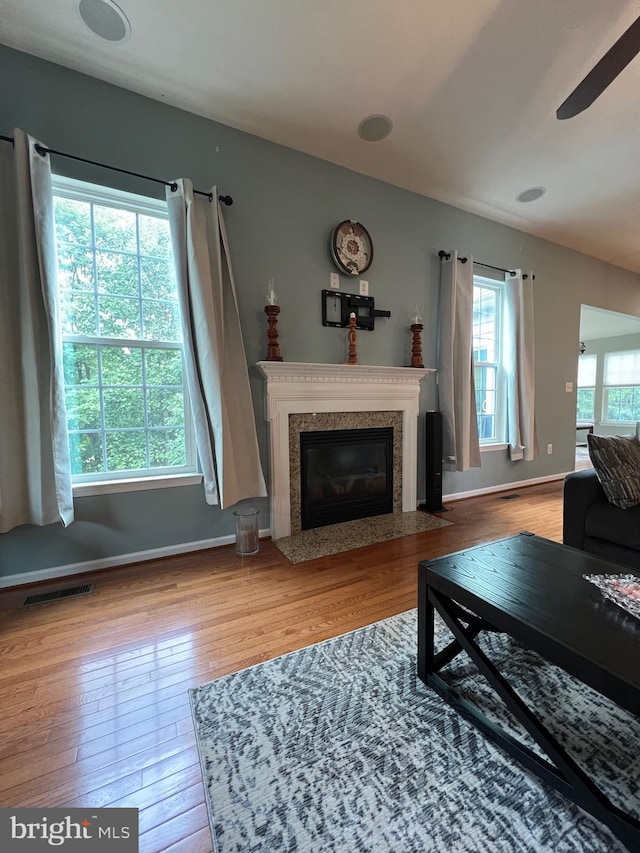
{"points": [[105, 18], [531, 194], [375, 128]]}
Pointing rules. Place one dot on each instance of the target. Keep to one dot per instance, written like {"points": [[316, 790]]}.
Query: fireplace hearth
{"points": [[345, 475]]}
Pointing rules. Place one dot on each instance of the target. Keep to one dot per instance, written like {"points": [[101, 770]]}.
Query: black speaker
{"points": [[433, 463]]}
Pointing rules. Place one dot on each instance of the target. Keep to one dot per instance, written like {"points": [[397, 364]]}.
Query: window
{"points": [[621, 391], [487, 310], [586, 407], [127, 405]]}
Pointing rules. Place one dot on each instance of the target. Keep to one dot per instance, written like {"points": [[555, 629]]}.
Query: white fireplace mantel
{"points": [[299, 387]]}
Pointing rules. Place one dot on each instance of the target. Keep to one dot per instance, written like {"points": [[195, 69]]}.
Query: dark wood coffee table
{"points": [[533, 590]]}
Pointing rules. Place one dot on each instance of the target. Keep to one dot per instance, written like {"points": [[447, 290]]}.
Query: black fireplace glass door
{"points": [[345, 474]]}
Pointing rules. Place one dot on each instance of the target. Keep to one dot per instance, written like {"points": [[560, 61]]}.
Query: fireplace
{"points": [[345, 474], [345, 422], [305, 397]]}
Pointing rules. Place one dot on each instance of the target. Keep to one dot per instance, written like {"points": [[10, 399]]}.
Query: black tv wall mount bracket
{"points": [[337, 306]]}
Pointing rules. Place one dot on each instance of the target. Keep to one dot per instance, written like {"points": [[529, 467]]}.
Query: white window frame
{"points": [[499, 441], [152, 478], [606, 388]]}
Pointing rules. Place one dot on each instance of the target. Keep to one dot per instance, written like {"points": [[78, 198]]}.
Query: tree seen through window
{"points": [[122, 347]]}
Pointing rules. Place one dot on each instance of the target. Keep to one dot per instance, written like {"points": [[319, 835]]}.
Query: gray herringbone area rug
{"points": [[338, 747]]}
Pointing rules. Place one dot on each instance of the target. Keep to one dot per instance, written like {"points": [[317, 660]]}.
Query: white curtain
{"points": [[519, 365], [35, 476], [215, 361], [456, 386]]}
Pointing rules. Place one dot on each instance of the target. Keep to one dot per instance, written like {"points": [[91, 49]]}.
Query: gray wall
{"points": [[286, 205], [599, 347]]}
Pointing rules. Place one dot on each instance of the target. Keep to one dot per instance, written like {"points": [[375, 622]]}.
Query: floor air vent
{"points": [[56, 595], [508, 497]]}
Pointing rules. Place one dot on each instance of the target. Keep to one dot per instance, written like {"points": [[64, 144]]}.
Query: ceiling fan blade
{"points": [[604, 73]]}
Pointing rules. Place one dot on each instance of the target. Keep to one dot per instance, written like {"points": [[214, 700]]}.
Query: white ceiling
{"points": [[472, 87], [597, 323]]}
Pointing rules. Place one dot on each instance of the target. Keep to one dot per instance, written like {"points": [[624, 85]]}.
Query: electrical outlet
{"points": [[549, 449], [568, 387], [364, 287], [334, 280]]}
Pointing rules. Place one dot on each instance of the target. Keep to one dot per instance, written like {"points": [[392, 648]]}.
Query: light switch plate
{"points": [[568, 387]]}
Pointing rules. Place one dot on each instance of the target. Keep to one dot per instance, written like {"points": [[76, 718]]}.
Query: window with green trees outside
{"points": [[621, 387], [487, 357], [586, 397], [127, 406]]}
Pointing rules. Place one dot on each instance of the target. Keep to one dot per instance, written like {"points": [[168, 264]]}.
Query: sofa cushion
{"points": [[604, 521], [616, 460], [613, 553]]}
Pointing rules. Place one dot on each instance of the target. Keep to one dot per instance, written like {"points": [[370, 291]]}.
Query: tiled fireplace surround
{"points": [[301, 396]]}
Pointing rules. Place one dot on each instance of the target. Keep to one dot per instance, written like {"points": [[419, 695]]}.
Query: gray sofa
{"points": [[592, 523]]}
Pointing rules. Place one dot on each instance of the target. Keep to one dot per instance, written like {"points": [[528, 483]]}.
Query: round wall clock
{"points": [[351, 247]]}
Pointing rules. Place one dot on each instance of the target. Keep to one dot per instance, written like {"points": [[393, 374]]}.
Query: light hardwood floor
{"points": [[93, 691]]}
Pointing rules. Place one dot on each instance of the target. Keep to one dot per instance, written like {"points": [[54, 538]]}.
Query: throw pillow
{"points": [[616, 459]]}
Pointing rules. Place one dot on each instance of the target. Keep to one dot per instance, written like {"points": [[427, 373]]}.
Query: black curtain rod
{"points": [[442, 255], [224, 199]]}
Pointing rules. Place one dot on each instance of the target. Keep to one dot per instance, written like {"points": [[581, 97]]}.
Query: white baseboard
{"points": [[503, 487], [55, 572]]}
